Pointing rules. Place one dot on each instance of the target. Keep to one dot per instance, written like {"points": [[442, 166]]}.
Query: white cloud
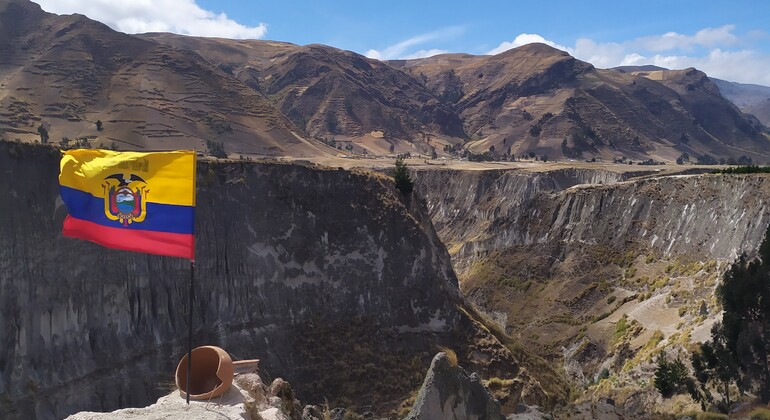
{"points": [[524, 39], [712, 50], [708, 37], [138, 16], [634, 59], [742, 66], [400, 50], [425, 53], [601, 55]]}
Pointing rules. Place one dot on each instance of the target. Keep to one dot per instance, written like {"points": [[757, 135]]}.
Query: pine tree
{"points": [[745, 297], [671, 377], [402, 178], [715, 366]]}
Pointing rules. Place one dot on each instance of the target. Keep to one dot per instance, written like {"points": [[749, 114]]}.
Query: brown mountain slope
{"points": [[752, 99], [538, 99], [330, 92], [67, 72], [161, 91]]}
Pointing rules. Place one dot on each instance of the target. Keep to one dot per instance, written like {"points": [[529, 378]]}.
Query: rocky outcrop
{"points": [[449, 393], [330, 277], [248, 398]]}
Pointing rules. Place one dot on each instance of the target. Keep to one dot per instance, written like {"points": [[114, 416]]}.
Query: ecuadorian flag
{"points": [[143, 202]]}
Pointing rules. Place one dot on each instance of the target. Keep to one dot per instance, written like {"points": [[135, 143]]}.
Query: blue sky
{"points": [[730, 40]]}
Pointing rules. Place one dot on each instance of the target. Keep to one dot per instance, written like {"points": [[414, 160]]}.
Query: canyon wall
{"points": [[599, 271], [330, 277], [704, 216]]}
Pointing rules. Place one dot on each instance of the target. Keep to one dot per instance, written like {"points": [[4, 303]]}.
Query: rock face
{"points": [[294, 264], [709, 216], [449, 393], [332, 278], [596, 271]]}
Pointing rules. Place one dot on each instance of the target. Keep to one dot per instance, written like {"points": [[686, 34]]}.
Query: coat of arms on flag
{"points": [[142, 202]]}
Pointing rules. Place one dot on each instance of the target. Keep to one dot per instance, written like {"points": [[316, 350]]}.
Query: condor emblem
{"points": [[125, 198]]}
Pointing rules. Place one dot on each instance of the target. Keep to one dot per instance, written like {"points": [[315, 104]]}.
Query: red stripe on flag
{"points": [[151, 242]]}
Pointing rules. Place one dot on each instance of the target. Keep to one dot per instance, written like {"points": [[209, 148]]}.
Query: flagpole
{"points": [[190, 331]]}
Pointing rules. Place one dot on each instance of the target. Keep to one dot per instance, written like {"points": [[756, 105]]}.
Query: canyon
{"points": [[555, 284], [602, 270], [352, 283], [331, 277]]}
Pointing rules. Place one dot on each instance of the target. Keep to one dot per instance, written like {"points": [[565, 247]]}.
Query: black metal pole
{"points": [[190, 331]]}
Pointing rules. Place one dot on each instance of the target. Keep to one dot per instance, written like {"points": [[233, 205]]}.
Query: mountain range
{"points": [[63, 74]]}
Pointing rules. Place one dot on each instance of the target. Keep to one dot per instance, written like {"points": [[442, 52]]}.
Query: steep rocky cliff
{"points": [[599, 271], [332, 278], [708, 216]]}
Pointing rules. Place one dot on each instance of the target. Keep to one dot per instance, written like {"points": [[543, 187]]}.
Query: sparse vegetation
{"points": [[216, 149], [450, 355], [749, 169], [711, 416], [620, 328], [760, 413]]}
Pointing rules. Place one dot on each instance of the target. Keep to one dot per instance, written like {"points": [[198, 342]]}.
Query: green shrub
{"points": [[711, 416], [216, 149], [620, 328], [760, 413]]}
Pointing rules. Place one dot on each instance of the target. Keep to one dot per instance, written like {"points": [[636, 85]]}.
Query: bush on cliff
{"points": [[402, 178]]}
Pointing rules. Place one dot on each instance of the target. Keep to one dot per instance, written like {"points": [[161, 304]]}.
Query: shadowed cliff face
{"points": [[291, 261], [332, 278]]}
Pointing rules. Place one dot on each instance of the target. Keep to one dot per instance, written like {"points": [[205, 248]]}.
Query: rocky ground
{"points": [[248, 398]]}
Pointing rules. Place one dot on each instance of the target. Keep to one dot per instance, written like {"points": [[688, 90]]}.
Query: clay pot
{"points": [[212, 373]]}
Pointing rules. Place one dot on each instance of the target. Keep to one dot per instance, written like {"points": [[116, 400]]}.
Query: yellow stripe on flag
{"points": [[167, 174]]}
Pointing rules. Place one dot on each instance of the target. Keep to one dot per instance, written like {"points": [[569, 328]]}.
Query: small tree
{"points": [[216, 149], [745, 297], [671, 377], [99, 125], [43, 134], [714, 365], [402, 178]]}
